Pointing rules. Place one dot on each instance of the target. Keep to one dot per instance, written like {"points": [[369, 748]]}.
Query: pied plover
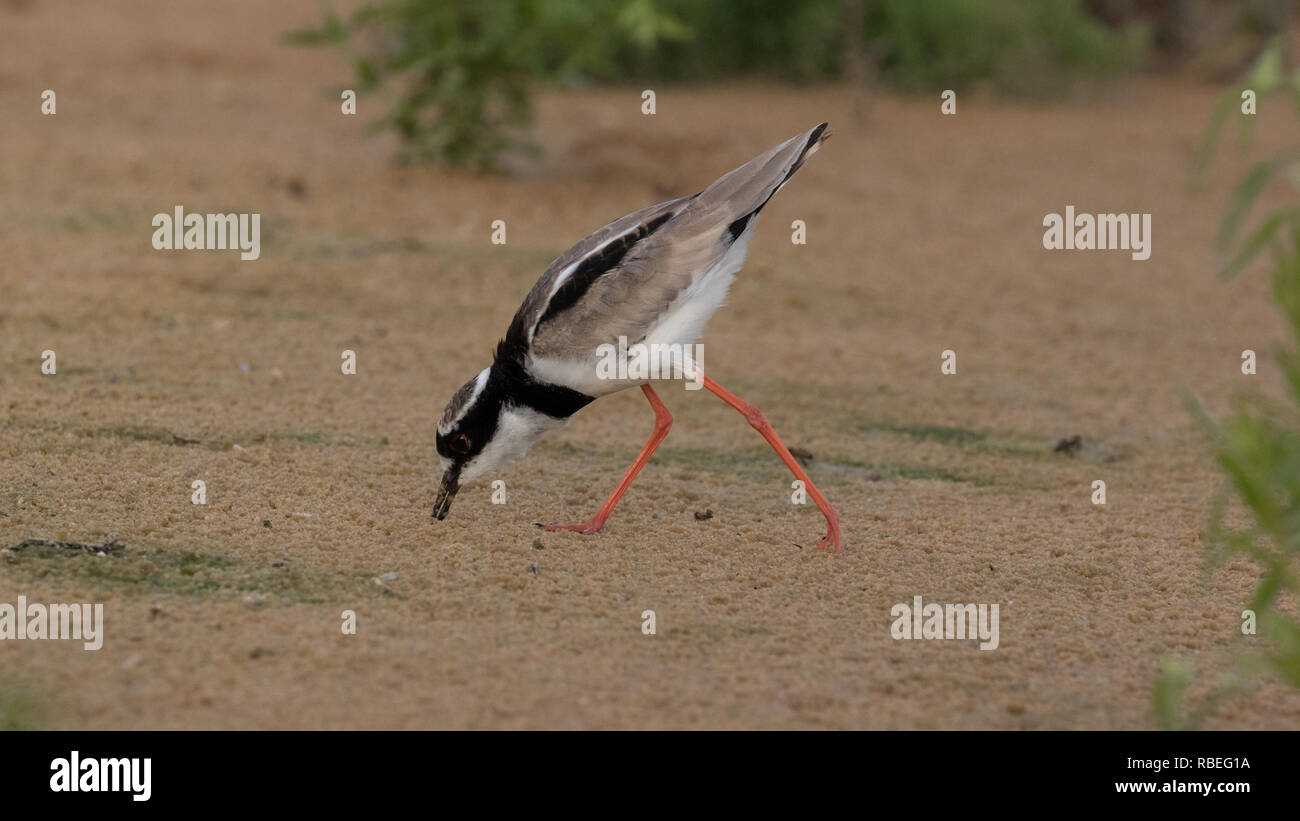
{"points": [[653, 277]]}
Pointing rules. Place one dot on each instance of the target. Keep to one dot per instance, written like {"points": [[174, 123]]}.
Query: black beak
{"points": [[446, 492]]}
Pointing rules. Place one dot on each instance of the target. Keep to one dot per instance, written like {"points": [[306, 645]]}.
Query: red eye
{"points": [[460, 444]]}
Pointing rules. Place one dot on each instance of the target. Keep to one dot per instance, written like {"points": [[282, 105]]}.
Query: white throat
{"points": [[517, 429]]}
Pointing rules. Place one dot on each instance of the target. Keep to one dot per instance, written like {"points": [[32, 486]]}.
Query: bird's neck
{"points": [[521, 389]]}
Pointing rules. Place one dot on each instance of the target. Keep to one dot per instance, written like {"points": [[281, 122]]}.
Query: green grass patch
{"points": [[180, 572], [134, 433], [977, 441], [183, 437], [747, 462], [881, 471], [219, 441], [20, 710], [750, 462], [958, 437], [762, 463], [84, 221]]}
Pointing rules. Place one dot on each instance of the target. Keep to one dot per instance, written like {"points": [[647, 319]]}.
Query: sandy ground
{"points": [[924, 234]]}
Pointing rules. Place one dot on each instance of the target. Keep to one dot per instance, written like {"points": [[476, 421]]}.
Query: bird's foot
{"points": [[585, 529], [832, 532]]}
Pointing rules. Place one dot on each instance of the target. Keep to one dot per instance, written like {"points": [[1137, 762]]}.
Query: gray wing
{"points": [[621, 279], [545, 301]]}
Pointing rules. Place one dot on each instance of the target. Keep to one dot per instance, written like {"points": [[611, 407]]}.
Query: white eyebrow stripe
{"points": [[480, 382]]}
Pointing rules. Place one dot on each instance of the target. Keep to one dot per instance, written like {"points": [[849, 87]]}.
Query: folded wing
{"points": [[637, 272]]}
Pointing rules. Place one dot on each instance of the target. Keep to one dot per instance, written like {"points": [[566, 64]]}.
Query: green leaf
{"points": [[1168, 696], [1264, 75], [1261, 238], [1243, 198], [367, 72], [1267, 72], [1222, 111], [331, 32]]}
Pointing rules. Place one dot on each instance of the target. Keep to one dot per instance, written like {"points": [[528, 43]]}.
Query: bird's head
{"points": [[482, 430]]}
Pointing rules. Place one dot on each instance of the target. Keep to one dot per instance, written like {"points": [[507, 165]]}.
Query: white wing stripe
{"points": [[567, 272]]}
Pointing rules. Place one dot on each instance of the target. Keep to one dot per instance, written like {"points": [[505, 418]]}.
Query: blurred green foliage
{"points": [[1012, 45], [1258, 446], [464, 70]]}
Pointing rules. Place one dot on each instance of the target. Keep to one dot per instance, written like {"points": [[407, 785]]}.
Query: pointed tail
{"points": [[740, 194]]}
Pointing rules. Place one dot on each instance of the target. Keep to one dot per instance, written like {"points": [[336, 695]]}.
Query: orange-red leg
{"points": [[663, 421], [760, 424]]}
